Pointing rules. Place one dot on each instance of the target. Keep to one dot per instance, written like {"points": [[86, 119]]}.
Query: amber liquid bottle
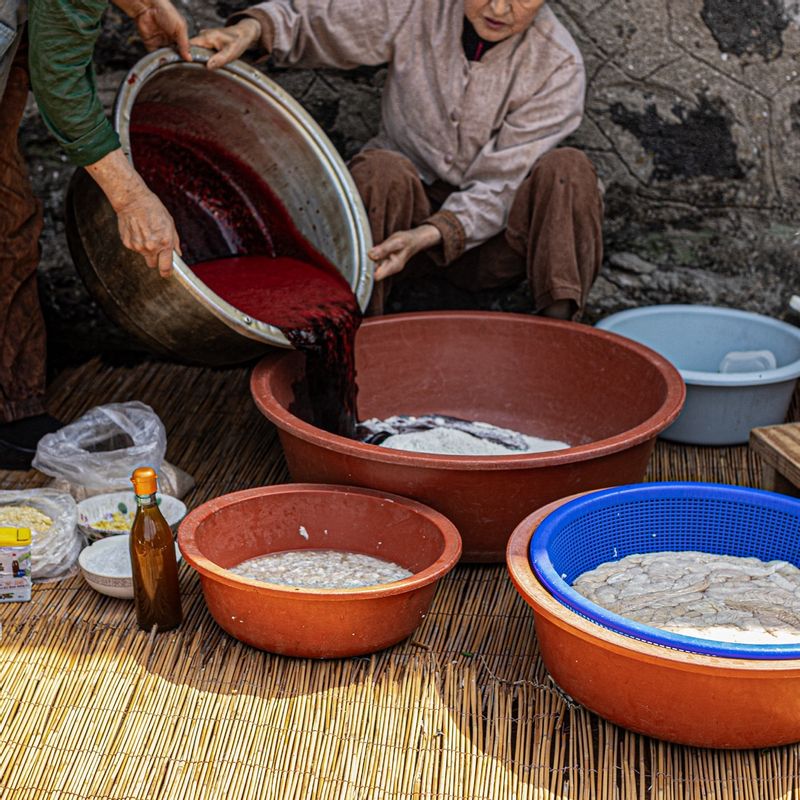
{"points": [[156, 594]]}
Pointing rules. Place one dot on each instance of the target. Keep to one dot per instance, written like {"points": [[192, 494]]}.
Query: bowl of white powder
{"points": [[543, 408], [106, 566], [318, 571], [670, 608]]}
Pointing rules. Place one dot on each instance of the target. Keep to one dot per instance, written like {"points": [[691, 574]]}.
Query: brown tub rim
{"points": [[447, 560], [646, 430]]}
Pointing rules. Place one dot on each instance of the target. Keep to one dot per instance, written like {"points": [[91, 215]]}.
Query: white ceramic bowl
{"points": [[106, 566], [104, 506]]}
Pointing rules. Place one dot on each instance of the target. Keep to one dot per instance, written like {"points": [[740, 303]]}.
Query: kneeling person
{"points": [[463, 177]]}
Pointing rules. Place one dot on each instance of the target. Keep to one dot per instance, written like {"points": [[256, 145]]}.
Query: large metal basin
{"points": [[180, 317]]}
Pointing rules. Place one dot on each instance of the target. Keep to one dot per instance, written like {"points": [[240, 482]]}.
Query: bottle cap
{"points": [[144, 480]]}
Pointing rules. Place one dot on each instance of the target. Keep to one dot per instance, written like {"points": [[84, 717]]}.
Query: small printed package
{"points": [[15, 565]]}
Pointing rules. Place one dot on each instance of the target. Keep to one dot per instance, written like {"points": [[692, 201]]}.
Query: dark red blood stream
{"points": [[314, 308], [241, 242]]}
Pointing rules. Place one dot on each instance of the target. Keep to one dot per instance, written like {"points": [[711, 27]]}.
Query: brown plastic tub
{"points": [[606, 395], [692, 699], [317, 623]]}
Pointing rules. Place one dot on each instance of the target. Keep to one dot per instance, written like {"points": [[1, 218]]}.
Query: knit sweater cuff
{"points": [[267, 39], [453, 237]]}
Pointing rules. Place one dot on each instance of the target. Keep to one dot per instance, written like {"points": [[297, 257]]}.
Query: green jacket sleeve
{"points": [[62, 36]]}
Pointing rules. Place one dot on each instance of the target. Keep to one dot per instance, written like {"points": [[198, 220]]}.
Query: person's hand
{"points": [[392, 255], [147, 228], [159, 24], [229, 42]]}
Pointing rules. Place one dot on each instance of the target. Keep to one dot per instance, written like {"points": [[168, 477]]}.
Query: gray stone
{"points": [[630, 262]]}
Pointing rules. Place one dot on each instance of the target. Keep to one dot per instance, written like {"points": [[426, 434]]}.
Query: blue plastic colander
{"points": [[652, 517]]}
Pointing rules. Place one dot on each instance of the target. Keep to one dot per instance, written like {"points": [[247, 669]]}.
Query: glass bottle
{"points": [[156, 594]]}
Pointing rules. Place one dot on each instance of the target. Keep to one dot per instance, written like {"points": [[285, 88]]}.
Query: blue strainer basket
{"points": [[651, 517]]}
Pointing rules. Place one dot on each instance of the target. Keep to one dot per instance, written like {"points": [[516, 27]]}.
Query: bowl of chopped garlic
{"points": [[112, 513], [51, 517], [20, 515]]}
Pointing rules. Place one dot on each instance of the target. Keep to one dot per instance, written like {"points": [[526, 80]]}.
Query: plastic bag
{"points": [[172, 480], [54, 547], [101, 450]]}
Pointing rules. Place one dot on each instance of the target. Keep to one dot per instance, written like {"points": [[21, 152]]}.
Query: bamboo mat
{"points": [[92, 707]]}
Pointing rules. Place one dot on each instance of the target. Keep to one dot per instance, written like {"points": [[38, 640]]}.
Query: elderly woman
{"points": [[462, 177]]}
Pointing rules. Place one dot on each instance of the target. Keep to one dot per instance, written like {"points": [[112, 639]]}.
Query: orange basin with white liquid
{"points": [[606, 395], [692, 699]]}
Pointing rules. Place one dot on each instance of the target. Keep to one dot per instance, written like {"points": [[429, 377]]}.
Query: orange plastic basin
{"points": [[317, 623], [667, 694], [606, 395]]}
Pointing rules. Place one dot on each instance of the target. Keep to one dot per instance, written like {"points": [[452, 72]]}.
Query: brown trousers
{"points": [[553, 237], [22, 334]]}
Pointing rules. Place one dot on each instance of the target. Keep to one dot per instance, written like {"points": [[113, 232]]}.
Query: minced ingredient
{"points": [[321, 569], [116, 522], [26, 517], [113, 561], [717, 597]]}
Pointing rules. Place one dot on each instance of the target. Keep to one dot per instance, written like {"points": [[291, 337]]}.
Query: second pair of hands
{"points": [[145, 225], [391, 255]]}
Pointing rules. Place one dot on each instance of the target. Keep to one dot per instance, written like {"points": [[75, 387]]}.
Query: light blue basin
{"points": [[721, 408]]}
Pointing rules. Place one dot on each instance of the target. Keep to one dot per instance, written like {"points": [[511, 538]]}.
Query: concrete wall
{"points": [[693, 119]]}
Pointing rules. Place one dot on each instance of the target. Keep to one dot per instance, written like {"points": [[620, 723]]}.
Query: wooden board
{"points": [[778, 446]]}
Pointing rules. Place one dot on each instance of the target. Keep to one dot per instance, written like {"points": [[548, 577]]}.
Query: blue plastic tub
{"points": [[652, 517], [721, 407]]}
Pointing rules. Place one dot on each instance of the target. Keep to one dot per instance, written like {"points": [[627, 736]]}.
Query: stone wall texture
{"points": [[692, 118]]}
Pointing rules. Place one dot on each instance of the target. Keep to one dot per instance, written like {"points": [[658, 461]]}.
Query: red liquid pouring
{"points": [[317, 312], [243, 245]]}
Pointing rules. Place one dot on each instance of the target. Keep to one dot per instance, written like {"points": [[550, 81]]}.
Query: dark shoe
{"points": [[15, 457], [18, 439]]}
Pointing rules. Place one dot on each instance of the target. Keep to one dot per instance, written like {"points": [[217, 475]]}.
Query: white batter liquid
{"points": [[321, 569], [721, 598]]}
